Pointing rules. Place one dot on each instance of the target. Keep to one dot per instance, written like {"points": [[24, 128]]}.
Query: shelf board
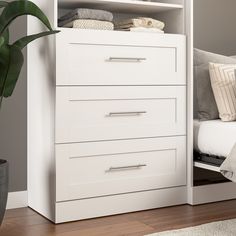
{"points": [[123, 6], [206, 166]]}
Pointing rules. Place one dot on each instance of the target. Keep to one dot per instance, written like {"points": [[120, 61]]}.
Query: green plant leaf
{"points": [[15, 63], [21, 43], [4, 55], [5, 35], [2, 40], [18, 8], [3, 4], [4, 62]]}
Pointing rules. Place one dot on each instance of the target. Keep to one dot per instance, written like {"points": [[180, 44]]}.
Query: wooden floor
{"points": [[25, 222]]}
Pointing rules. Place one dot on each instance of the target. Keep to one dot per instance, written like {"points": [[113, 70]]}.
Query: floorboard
{"points": [[26, 222]]}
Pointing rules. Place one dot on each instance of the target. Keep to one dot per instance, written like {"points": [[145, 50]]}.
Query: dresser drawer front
{"points": [[104, 168], [86, 64], [94, 114]]}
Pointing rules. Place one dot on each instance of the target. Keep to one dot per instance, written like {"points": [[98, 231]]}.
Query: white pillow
{"points": [[224, 88]]}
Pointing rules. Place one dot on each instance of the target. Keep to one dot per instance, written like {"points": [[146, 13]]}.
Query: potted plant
{"points": [[11, 62]]}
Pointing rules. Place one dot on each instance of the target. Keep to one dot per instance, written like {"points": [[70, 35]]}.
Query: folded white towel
{"points": [[90, 24], [140, 22]]}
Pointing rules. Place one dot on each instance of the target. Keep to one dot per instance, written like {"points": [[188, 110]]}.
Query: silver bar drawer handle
{"points": [[126, 59], [129, 113], [123, 168]]}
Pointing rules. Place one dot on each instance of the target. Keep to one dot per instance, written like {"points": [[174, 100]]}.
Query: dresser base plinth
{"points": [[119, 204]]}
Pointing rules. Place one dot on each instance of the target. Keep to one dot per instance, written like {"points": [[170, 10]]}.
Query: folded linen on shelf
{"points": [[145, 30], [140, 22], [84, 13], [90, 24]]}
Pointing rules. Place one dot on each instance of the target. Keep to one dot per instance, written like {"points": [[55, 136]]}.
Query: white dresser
{"points": [[116, 137], [120, 115]]}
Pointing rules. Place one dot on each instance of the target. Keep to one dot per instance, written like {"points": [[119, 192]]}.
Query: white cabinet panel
{"points": [[104, 168], [108, 113], [162, 63]]}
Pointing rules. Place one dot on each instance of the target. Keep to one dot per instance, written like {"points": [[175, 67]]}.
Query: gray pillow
{"points": [[205, 107]]}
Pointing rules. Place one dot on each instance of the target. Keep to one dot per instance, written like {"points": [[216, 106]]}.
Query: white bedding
{"points": [[214, 137]]}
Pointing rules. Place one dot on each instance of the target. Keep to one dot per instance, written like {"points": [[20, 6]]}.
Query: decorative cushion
{"points": [[205, 107], [224, 88], [204, 97]]}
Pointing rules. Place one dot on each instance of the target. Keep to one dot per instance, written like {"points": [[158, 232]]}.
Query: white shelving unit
{"points": [[125, 6], [151, 158], [82, 48]]}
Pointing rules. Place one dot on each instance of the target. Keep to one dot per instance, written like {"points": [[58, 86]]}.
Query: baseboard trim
{"points": [[213, 193], [17, 200]]}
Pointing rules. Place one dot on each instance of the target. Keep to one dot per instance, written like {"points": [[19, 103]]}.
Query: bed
{"points": [[214, 143], [215, 113], [214, 137]]}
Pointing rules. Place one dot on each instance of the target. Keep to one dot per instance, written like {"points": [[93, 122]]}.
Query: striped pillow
{"points": [[224, 88]]}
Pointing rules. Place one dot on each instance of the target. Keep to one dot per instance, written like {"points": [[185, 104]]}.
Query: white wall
{"points": [[13, 124]]}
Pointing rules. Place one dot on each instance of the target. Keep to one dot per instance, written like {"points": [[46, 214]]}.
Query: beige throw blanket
{"points": [[228, 167], [140, 22], [90, 24]]}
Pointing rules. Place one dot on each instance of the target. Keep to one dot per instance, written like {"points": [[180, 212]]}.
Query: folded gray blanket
{"points": [[228, 167], [84, 13]]}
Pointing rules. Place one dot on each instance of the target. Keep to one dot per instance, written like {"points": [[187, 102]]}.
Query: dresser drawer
{"points": [[96, 169], [109, 113], [93, 64]]}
